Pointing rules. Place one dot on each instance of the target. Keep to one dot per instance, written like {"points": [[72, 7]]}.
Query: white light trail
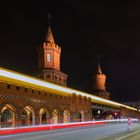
{"points": [[34, 81]]}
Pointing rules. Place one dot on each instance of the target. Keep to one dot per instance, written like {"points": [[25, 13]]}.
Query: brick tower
{"points": [[99, 81], [49, 60]]}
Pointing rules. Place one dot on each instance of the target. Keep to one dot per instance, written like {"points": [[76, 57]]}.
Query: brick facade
{"points": [[26, 104]]}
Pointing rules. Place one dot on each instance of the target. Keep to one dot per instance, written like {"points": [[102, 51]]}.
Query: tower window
{"points": [[48, 57]]}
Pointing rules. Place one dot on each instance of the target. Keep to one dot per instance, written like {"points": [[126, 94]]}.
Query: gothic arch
{"points": [[8, 115], [10, 103], [28, 115], [44, 115], [66, 116]]}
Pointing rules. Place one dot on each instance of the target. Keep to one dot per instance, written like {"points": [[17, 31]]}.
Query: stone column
{"points": [[60, 117], [50, 121], [36, 119], [18, 119], [28, 120]]}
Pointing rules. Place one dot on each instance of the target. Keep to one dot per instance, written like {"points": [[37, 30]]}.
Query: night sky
{"points": [[83, 30]]}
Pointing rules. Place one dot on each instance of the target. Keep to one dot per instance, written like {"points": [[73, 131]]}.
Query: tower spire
{"points": [[49, 36], [99, 70]]}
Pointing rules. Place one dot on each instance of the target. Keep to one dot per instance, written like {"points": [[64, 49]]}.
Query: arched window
{"points": [[48, 57]]}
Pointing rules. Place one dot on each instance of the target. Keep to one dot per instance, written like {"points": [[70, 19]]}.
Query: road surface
{"points": [[114, 131]]}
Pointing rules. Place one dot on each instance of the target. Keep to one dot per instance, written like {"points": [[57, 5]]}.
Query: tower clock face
{"points": [[48, 57]]}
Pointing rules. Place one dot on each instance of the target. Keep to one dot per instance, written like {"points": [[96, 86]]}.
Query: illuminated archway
{"points": [[8, 116], [44, 116], [28, 116], [55, 116], [66, 116]]}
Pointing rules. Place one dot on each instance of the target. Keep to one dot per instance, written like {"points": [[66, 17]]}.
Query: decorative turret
{"points": [[99, 81]]}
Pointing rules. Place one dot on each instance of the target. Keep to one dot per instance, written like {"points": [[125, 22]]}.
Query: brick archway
{"points": [[66, 116], [44, 116], [28, 115], [8, 115]]}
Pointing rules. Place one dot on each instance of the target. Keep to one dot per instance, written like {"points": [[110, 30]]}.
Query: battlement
{"points": [[98, 75], [51, 45]]}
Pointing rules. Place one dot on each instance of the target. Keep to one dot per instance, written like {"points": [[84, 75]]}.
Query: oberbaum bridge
{"points": [[44, 97]]}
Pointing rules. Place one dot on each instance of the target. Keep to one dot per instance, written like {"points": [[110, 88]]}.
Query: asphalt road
{"points": [[97, 132]]}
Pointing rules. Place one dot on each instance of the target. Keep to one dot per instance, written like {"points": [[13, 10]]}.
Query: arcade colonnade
{"points": [[11, 117]]}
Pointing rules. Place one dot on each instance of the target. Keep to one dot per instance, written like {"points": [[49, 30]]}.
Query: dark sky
{"points": [[83, 30]]}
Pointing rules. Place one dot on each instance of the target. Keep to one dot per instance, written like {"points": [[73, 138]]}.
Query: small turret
{"points": [[99, 81]]}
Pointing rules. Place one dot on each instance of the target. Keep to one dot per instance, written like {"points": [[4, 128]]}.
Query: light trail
{"points": [[15, 130], [4, 73]]}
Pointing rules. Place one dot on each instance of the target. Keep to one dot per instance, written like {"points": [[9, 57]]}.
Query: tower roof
{"points": [[99, 70], [49, 36]]}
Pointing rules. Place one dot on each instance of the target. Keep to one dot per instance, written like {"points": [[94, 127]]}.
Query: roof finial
{"points": [[99, 66], [49, 36], [49, 19]]}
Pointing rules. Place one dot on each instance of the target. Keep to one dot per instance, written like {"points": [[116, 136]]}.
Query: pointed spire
{"points": [[99, 70], [49, 36]]}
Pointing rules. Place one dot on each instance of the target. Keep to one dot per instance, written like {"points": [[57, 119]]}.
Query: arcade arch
{"points": [[66, 116], [28, 116], [8, 116], [43, 116]]}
